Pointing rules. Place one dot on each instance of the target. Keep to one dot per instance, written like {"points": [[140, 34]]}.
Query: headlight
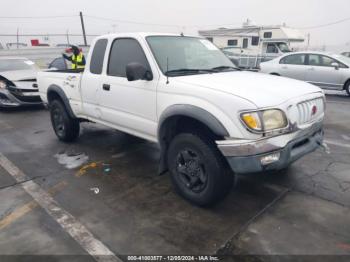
{"points": [[265, 120], [2, 84]]}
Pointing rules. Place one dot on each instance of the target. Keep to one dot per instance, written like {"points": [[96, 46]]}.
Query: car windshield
{"points": [[180, 55], [16, 64], [283, 47]]}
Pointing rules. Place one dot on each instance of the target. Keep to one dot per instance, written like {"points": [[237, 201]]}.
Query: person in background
{"points": [[77, 59]]}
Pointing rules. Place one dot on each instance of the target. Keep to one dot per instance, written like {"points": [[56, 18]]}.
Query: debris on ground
{"points": [[326, 148], [95, 189], [71, 160], [82, 171], [106, 168]]}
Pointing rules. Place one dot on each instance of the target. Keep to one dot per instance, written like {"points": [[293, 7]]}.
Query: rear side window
{"points": [[123, 52], [294, 60], [97, 57], [315, 60]]}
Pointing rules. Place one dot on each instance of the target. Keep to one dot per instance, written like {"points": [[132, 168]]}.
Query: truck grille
{"points": [[310, 110]]}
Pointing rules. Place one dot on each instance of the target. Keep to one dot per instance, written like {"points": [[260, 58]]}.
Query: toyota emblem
{"points": [[314, 110]]}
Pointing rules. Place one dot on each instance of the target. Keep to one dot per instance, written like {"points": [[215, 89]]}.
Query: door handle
{"points": [[311, 69], [284, 67], [106, 87]]}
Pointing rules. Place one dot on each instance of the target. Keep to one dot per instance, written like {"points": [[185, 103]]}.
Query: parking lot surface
{"points": [[102, 194]]}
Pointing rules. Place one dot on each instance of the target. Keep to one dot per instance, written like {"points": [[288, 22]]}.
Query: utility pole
{"points": [[308, 41], [17, 37], [83, 27], [67, 35], [114, 26]]}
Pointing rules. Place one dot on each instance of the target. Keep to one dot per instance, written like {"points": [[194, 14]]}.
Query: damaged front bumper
{"points": [[273, 153], [15, 97]]}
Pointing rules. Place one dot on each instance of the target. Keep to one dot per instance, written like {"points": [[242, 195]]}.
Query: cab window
{"points": [[123, 52], [271, 49], [97, 56]]}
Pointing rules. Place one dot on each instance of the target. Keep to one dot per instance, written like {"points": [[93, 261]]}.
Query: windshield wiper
{"points": [[223, 68], [188, 71]]}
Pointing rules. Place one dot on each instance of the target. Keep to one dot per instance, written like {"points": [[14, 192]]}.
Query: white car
{"points": [[210, 119], [326, 70], [18, 82]]}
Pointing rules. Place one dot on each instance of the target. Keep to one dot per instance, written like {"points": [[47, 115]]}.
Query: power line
{"points": [[36, 17], [130, 22], [60, 34], [326, 25], [155, 24]]}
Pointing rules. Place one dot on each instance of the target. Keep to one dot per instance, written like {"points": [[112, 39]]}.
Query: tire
{"points": [[66, 128], [198, 171], [347, 87]]}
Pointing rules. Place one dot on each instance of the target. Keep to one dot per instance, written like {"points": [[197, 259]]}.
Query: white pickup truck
{"points": [[211, 120]]}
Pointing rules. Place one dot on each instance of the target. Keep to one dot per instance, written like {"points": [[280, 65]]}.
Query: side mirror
{"points": [[136, 71], [335, 65]]}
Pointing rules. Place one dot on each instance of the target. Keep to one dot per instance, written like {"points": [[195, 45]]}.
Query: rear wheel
{"points": [[198, 170], [347, 87], [66, 128]]}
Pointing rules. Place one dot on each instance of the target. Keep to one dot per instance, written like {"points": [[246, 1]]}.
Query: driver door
{"points": [[129, 105]]}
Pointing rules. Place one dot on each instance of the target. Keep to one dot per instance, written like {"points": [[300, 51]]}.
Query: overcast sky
{"points": [[180, 15]]}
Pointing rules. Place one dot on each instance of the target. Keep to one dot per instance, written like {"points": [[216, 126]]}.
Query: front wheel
{"points": [[198, 170], [66, 128]]}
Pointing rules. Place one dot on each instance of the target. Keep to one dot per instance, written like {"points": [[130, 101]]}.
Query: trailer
{"points": [[251, 44]]}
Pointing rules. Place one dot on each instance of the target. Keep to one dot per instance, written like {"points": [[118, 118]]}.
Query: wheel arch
{"points": [[347, 82], [178, 118], [56, 92]]}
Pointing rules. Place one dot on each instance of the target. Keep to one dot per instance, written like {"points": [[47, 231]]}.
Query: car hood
{"points": [[19, 75], [261, 89]]}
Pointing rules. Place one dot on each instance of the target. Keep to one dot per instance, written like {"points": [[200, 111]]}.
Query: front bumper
{"points": [[246, 156], [9, 99]]}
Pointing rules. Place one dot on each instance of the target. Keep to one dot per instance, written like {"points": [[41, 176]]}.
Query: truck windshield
{"points": [[283, 47], [180, 55]]}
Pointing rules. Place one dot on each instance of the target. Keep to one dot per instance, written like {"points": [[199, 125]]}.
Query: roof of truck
{"points": [[142, 34]]}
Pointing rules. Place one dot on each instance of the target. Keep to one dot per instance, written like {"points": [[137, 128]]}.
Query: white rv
{"points": [[249, 45]]}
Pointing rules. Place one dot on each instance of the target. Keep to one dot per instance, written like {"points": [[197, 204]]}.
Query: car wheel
{"points": [[66, 128], [347, 88], [198, 171]]}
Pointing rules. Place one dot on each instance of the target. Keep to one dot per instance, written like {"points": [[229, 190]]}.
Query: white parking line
{"points": [[68, 222], [336, 143]]}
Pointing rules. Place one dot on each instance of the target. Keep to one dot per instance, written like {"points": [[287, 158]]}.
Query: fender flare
{"points": [[59, 91], [194, 112]]}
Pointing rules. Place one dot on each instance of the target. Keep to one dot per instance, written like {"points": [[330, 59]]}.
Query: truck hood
{"points": [[19, 75], [261, 89]]}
